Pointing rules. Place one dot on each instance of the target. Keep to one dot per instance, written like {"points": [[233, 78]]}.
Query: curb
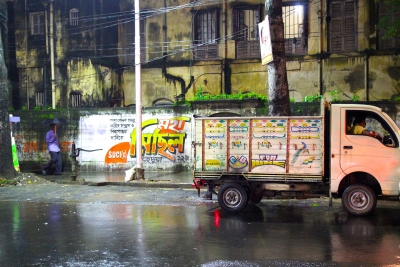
{"points": [[150, 184]]}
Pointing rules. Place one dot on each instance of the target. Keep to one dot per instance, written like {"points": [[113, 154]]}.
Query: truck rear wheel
{"points": [[359, 199], [232, 197]]}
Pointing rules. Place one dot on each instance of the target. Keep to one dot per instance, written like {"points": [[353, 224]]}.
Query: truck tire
{"points": [[232, 197], [359, 199]]}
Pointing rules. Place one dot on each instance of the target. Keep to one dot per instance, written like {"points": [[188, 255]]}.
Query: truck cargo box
{"points": [[272, 148]]}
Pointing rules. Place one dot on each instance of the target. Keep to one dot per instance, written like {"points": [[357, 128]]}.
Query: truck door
{"points": [[365, 153]]}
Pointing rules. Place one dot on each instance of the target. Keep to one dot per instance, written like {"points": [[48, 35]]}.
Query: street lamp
{"points": [[138, 91]]}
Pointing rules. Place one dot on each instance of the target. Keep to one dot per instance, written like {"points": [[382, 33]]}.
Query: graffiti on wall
{"points": [[35, 150]]}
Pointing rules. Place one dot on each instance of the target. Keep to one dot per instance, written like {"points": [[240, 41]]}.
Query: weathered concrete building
{"points": [[73, 53]]}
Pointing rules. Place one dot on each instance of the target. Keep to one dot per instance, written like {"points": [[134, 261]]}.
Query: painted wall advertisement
{"points": [[165, 140]]}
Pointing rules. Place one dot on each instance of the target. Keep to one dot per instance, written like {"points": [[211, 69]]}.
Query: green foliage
{"points": [[336, 96], [291, 100], [42, 108], [182, 103], [389, 24], [201, 96], [313, 98], [355, 98], [5, 182], [397, 98], [262, 111], [39, 108], [10, 109]]}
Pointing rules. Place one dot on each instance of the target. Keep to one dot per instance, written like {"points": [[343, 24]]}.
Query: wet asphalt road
{"points": [[74, 225]]}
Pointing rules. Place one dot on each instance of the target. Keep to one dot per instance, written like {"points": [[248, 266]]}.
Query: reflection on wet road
{"points": [[98, 234]]}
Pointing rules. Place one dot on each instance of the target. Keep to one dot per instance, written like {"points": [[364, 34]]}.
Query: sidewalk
{"points": [[151, 179]]}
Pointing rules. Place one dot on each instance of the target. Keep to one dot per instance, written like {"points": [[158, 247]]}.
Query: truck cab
{"points": [[363, 167]]}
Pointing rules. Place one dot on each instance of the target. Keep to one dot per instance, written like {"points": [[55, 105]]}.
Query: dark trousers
{"points": [[55, 158]]}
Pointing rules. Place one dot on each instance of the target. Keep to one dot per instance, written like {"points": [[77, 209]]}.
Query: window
{"points": [[39, 99], [375, 123], [129, 46], [37, 23], [390, 15], [76, 99], [342, 26], [245, 31], [294, 29], [205, 34], [74, 17]]}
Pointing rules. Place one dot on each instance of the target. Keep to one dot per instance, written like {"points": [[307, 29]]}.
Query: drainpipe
{"points": [[164, 29], [26, 56], [224, 77], [46, 26], [320, 17], [45, 84], [47, 52], [366, 68], [94, 27], [102, 29], [53, 82]]}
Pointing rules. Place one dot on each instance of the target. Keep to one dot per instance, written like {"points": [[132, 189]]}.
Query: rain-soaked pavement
{"points": [[79, 225]]}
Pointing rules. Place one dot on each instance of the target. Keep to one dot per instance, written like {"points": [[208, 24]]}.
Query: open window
{"points": [[295, 27], [74, 17], [375, 123], [245, 31], [39, 99], [75, 99], [128, 41], [388, 17], [205, 39], [37, 23]]}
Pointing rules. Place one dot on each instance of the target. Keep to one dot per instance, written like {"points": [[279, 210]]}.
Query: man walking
{"points": [[54, 150]]}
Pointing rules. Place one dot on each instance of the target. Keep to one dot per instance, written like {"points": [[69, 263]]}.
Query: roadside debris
{"points": [[23, 179]]}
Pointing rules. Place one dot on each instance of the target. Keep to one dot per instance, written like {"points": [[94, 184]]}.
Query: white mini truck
{"points": [[248, 158]]}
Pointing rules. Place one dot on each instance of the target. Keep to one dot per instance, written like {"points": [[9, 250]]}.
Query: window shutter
{"points": [[304, 35], [336, 27], [130, 42], [215, 25], [258, 20], [235, 24], [349, 27], [342, 32], [205, 41]]}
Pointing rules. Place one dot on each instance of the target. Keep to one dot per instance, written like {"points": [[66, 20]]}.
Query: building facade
{"points": [[70, 53]]}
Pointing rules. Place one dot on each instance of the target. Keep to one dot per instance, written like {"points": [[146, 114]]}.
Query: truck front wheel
{"points": [[232, 197], [359, 199]]}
